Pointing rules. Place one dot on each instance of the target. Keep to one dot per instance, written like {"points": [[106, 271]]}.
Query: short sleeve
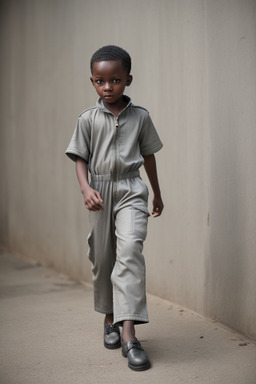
{"points": [[148, 139], [80, 142]]}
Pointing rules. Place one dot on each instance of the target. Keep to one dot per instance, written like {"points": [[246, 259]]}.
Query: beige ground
{"points": [[50, 334]]}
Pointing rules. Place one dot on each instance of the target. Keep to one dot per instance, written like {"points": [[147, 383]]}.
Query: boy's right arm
{"points": [[92, 198]]}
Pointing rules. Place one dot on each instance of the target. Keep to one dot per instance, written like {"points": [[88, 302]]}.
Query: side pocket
{"points": [[145, 191], [140, 222], [90, 252]]}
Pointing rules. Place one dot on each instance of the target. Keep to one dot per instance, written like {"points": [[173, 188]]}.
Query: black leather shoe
{"points": [[111, 336], [137, 358]]}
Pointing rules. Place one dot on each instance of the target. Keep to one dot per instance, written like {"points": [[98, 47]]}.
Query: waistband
{"points": [[109, 177]]}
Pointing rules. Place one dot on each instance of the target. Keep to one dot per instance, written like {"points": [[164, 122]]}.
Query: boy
{"points": [[111, 142]]}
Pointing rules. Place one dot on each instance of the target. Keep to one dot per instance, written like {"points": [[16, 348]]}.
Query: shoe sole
{"points": [[143, 367], [140, 367], [115, 346]]}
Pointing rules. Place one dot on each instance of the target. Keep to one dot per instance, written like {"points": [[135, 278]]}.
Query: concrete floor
{"points": [[50, 334]]}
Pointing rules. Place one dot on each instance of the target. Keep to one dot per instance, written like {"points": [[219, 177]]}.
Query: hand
{"points": [[158, 206], [92, 200]]}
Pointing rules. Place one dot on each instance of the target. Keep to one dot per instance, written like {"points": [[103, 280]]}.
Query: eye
{"points": [[99, 81], [116, 81]]}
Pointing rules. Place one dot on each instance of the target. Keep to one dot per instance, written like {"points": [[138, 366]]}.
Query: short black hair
{"points": [[112, 52]]}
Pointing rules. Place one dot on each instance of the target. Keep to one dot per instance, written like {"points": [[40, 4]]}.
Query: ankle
{"points": [[109, 319], [128, 333], [126, 338]]}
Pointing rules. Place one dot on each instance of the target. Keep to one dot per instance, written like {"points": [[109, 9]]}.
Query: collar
{"points": [[101, 106]]}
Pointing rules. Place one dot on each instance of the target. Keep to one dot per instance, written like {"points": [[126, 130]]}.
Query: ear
{"points": [[129, 80], [92, 81]]}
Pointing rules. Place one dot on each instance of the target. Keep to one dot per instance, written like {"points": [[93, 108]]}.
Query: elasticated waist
{"points": [[109, 177]]}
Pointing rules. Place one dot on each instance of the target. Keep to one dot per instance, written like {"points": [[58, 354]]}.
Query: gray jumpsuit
{"points": [[113, 148]]}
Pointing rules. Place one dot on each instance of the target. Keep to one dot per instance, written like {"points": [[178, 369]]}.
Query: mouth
{"points": [[108, 96]]}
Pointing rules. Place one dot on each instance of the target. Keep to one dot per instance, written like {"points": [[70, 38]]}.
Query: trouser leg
{"points": [[128, 276], [102, 254]]}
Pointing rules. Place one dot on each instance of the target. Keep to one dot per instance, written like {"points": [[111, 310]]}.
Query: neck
{"points": [[117, 107]]}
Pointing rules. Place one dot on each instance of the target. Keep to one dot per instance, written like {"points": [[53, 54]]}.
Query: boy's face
{"points": [[110, 78]]}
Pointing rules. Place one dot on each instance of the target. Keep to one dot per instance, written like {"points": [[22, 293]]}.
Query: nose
{"points": [[108, 86]]}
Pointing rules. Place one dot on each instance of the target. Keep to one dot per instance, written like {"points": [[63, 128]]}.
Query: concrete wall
{"points": [[194, 69], [231, 63]]}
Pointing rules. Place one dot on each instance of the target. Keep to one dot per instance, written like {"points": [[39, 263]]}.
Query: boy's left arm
{"points": [[151, 170]]}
